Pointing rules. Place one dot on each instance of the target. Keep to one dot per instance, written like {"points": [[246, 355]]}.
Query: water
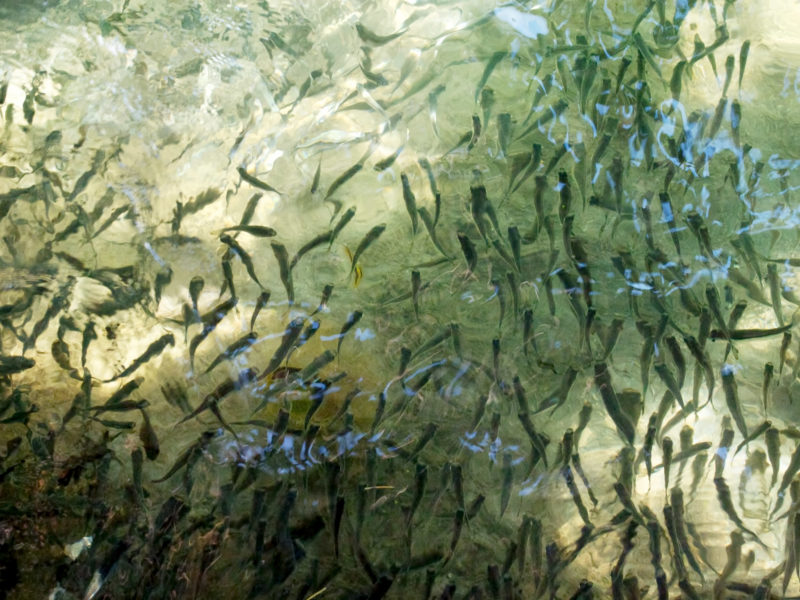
{"points": [[133, 135]]}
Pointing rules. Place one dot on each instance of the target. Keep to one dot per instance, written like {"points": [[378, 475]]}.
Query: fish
{"points": [[327, 290], [785, 341], [602, 380], [255, 182], [235, 349], [196, 286], [210, 321], [372, 235], [260, 231], [726, 502], [212, 400], [287, 342], [569, 479], [647, 446], [10, 365], [775, 287], [370, 37], [744, 51], [153, 350], [702, 359], [344, 178], [410, 201], [669, 380], [732, 399], [162, 280], [247, 261], [387, 162], [666, 458], [227, 273], [261, 302], [677, 357], [565, 195], [250, 209], [494, 60], [756, 433], [121, 406], [416, 283], [340, 224], [353, 318], [147, 435], [503, 133], [772, 438], [279, 250], [736, 120], [430, 225], [508, 478], [433, 101]]}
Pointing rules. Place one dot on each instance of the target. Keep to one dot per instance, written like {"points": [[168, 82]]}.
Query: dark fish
{"points": [[387, 162], [227, 273], [319, 240], [490, 66], [372, 235], [343, 221], [153, 350], [410, 201], [515, 241], [196, 286], [15, 364], [772, 437], [748, 334], [163, 278], [732, 399], [508, 478], [323, 303], [743, 52], [602, 380], [353, 318], [370, 37], [250, 209], [503, 133], [287, 342], [60, 352], [669, 380], [210, 321], [476, 132], [787, 339], [254, 230], [212, 400], [147, 435], [121, 406], [755, 434], [416, 283], [255, 182], [775, 287], [190, 456], [261, 302], [430, 226], [702, 359], [234, 350], [344, 178], [247, 261], [285, 271], [726, 502]]}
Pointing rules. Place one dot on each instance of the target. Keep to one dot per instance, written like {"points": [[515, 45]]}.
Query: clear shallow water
{"points": [[126, 134]]}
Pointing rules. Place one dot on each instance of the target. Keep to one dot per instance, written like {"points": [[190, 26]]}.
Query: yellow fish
{"points": [[358, 273]]}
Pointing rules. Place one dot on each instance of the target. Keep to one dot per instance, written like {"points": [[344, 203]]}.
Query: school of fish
{"points": [[494, 304]]}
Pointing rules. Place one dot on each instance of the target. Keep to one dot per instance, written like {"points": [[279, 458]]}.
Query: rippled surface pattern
{"points": [[399, 300]]}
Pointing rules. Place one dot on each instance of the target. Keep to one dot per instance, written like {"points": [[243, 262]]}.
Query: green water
{"points": [[550, 204]]}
